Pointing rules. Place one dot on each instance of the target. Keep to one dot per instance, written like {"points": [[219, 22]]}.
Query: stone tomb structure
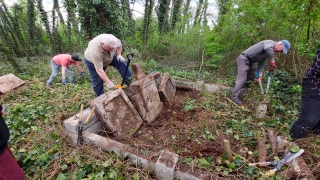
{"points": [[117, 112]]}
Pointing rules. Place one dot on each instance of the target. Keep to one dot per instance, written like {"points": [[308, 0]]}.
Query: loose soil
{"points": [[190, 134]]}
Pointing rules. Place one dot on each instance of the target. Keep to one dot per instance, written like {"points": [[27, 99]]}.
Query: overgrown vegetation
{"points": [[35, 113], [175, 39]]}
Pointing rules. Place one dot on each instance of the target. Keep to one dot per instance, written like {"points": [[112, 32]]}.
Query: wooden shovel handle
{"points": [[89, 117], [81, 112]]}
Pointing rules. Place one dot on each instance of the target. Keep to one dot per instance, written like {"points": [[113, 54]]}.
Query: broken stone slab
{"points": [[185, 176], [167, 89], [165, 165], [121, 150], [145, 98], [261, 110], [200, 85], [117, 113], [137, 71], [94, 125], [124, 151], [9, 82]]}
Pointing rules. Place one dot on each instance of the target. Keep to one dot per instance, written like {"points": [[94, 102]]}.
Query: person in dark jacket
{"points": [[9, 168], [258, 53], [309, 119]]}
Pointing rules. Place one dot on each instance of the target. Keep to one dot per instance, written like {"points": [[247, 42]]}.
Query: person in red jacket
{"points": [[64, 60], [9, 168]]}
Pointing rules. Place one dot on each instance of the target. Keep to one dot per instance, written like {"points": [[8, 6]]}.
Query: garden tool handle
{"points": [[260, 164], [89, 117], [261, 88], [130, 56], [81, 112], [270, 173]]}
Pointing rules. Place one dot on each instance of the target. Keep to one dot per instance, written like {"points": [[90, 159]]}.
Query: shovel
{"points": [[129, 56]]}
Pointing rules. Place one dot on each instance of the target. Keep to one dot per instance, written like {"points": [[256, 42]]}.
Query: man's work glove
{"points": [[272, 66], [120, 58], [259, 79], [83, 74], [110, 85], [64, 81]]}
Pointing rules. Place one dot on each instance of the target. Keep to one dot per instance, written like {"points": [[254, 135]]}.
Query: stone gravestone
{"points": [[118, 115], [167, 89], [9, 82], [143, 94]]}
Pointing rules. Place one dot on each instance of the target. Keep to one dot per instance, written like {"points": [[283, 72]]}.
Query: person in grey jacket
{"points": [[259, 52]]}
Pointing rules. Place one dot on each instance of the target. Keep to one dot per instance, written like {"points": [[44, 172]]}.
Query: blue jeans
{"points": [[55, 69], [309, 119], [97, 82]]}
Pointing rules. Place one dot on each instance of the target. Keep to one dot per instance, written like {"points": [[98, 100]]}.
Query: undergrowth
{"points": [[35, 114]]}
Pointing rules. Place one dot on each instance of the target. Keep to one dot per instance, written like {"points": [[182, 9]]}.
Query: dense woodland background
{"points": [[169, 31], [183, 37]]}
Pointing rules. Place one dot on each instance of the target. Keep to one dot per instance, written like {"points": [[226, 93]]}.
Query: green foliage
{"points": [[189, 104], [99, 17]]}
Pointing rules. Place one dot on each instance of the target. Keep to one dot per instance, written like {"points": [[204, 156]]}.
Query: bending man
{"points": [[259, 52], [104, 50], [64, 60]]}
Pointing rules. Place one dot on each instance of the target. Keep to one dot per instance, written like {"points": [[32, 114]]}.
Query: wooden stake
{"points": [[262, 147], [227, 148], [272, 140]]}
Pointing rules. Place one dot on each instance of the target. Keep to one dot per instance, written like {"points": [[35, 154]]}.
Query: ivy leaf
{"points": [[64, 167], [295, 148], [61, 176], [236, 136], [204, 163]]}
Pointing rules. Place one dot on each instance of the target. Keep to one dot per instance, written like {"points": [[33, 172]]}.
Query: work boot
{"points": [[237, 101], [127, 82]]}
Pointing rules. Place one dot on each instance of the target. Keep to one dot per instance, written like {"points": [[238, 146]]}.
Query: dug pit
{"points": [[183, 130]]}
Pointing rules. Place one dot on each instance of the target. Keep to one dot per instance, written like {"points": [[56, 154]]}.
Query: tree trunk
{"points": [[176, 13], [147, 20], [197, 17]]}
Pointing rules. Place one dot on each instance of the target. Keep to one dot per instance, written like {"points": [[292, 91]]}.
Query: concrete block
{"points": [[94, 125], [117, 113], [185, 84], [212, 88], [199, 85], [167, 89], [9, 82], [165, 165]]}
